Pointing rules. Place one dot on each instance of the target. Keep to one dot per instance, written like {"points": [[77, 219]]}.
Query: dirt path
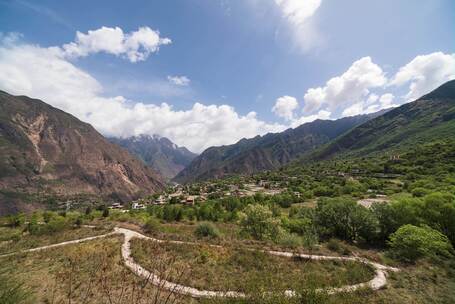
{"points": [[379, 280]]}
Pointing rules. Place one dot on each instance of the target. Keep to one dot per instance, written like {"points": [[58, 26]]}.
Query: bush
{"points": [[337, 246], [409, 243], [333, 245], [15, 220], [206, 230], [152, 225], [258, 221], [290, 240], [56, 224]]}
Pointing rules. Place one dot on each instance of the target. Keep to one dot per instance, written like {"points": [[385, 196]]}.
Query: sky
{"points": [[211, 72]]}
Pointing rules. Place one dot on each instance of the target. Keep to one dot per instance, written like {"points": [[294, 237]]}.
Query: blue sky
{"points": [[250, 55]]}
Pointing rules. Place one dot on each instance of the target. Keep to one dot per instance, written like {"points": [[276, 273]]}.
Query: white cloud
{"points": [[371, 105], [386, 101], [304, 119], [135, 46], [284, 107], [344, 93], [179, 80], [425, 73], [43, 73], [298, 13], [355, 109]]}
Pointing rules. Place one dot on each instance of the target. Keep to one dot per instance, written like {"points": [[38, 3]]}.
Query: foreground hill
{"points": [[267, 152], [427, 119], [45, 150], [158, 152]]}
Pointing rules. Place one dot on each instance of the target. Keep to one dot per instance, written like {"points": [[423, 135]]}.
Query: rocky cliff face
{"points": [[267, 152], [44, 149], [161, 154]]}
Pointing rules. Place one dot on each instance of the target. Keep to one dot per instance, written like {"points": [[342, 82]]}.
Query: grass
{"points": [[228, 268], [14, 239], [90, 272], [45, 277]]}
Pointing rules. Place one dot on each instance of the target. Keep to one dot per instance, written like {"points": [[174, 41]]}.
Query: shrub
{"points": [[258, 221], [334, 245], [151, 225], [206, 230], [56, 224], [290, 240], [419, 192], [105, 212], [409, 243], [48, 215], [78, 222], [15, 220]]}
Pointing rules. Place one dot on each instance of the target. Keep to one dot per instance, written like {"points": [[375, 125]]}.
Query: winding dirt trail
{"points": [[379, 280]]}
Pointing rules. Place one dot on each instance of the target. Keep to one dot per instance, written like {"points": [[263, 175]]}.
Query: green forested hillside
{"points": [[430, 118]]}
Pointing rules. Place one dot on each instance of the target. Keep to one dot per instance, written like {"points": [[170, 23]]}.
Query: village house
{"points": [[116, 206], [137, 206]]}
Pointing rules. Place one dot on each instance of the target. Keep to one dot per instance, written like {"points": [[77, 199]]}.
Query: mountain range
{"points": [[161, 154], [429, 118], [47, 151], [267, 152]]}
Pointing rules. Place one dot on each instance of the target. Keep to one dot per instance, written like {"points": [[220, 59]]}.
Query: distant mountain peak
{"points": [[158, 152]]}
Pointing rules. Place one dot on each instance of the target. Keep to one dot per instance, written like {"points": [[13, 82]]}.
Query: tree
{"points": [[345, 219], [258, 221], [410, 243], [439, 213]]}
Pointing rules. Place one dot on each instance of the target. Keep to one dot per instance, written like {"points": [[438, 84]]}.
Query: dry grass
{"points": [[235, 269], [14, 239], [91, 272]]}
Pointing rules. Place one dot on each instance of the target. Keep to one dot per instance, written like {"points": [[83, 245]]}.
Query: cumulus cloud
{"points": [[135, 46], [284, 107], [179, 80], [425, 73], [309, 118], [43, 73], [298, 13], [348, 90]]}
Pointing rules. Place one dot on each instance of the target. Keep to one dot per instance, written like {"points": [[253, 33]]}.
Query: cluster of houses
{"points": [[190, 195]]}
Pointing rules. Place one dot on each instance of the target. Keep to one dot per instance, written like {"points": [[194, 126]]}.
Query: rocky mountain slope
{"points": [[267, 152], [158, 152], [429, 118], [45, 150]]}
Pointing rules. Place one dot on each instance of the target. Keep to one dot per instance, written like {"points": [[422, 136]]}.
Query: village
{"points": [[201, 192]]}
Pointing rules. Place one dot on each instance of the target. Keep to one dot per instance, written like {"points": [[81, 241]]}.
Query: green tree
{"points": [[438, 212], [258, 221], [345, 219], [410, 243]]}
